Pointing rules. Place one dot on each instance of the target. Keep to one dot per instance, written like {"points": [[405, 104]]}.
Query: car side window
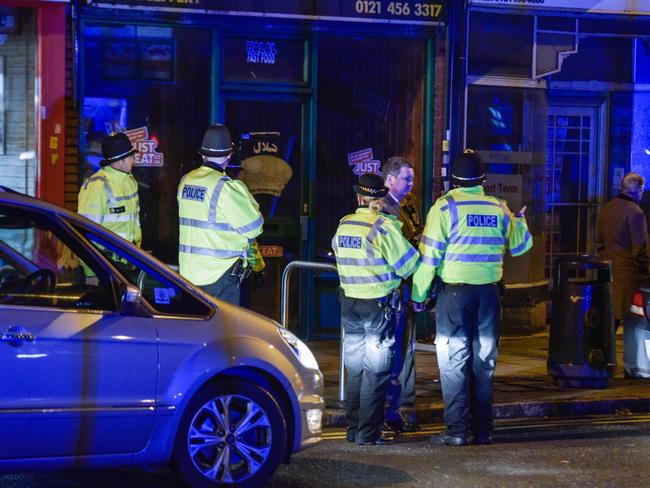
{"points": [[39, 268], [162, 294]]}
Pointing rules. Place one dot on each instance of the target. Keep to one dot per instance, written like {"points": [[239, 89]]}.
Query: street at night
{"points": [[596, 452]]}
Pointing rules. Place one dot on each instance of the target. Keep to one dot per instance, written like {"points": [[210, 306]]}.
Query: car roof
{"points": [[11, 197]]}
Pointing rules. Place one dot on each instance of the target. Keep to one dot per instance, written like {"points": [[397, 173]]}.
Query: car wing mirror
{"points": [[131, 302]]}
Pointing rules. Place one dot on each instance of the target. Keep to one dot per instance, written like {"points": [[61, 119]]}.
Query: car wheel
{"points": [[232, 434]]}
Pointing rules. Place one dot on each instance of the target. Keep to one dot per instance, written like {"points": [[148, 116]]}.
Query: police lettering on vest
{"points": [[196, 193], [350, 242], [481, 220]]}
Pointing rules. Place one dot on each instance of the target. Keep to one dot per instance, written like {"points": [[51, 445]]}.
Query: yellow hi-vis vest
{"points": [[372, 255], [110, 198], [464, 240], [218, 219]]}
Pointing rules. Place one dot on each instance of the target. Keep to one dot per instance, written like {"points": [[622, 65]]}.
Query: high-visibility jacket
{"points": [[465, 238], [110, 198], [218, 219], [372, 255]]}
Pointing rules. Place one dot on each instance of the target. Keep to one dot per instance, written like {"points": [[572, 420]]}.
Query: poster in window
{"points": [[119, 60], [157, 61]]}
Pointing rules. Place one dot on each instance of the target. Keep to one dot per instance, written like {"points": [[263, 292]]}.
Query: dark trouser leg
{"points": [[454, 316], [394, 387], [225, 288], [354, 348], [379, 351], [407, 375], [484, 358]]}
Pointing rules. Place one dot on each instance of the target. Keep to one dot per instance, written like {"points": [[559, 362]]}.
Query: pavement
{"points": [[522, 386]]}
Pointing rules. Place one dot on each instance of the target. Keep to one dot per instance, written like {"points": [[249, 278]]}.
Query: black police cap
{"points": [[370, 185]]}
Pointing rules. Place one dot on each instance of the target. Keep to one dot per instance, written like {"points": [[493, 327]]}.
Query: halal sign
{"points": [[147, 154]]}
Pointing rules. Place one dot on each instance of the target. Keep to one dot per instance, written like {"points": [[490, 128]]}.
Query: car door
{"points": [[78, 377]]}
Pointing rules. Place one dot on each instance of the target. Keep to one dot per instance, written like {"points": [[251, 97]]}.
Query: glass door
{"points": [[573, 179], [269, 139]]}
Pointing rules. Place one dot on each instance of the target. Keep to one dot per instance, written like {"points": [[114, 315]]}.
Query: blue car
{"points": [[110, 358]]}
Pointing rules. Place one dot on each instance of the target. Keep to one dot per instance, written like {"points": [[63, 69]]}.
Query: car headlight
{"points": [[300, 349]]}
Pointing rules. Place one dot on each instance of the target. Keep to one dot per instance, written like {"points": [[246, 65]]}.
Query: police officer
{"points": [[372, 257], [258, 265], [218, 220], [398, 177], [110, 196], [464, 241]]}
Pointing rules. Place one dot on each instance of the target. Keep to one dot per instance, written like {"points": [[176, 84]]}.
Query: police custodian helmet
{"points": [[371, 185], [115, 147], [216, 142], [467, 169]]}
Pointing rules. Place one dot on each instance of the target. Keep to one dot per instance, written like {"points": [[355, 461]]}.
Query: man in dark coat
{"points": [[398, 177], [621, 237]]}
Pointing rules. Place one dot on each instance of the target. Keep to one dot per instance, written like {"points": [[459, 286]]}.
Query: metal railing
{"points": [[284, 307]]}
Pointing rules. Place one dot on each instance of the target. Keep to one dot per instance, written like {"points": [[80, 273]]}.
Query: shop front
{"points": [[32, 97], [314, 94], [554, 96]]}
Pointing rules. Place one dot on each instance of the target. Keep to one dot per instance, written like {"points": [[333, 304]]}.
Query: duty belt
{"points": [[390, 302], [239, 272]]}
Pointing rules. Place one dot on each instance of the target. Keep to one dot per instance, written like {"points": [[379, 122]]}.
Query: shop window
{"points": [[494, 119], [500, 45], [153, 82], [255, 59], [18, 134]]}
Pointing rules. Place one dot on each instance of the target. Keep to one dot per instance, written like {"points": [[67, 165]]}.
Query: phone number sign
{"points": [[431, 12], [417, 11]]}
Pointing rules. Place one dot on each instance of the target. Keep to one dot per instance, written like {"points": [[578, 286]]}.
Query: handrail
{"points": [[284, 291], [284, 307]]}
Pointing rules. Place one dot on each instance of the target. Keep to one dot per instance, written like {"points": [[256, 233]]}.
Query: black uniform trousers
{"points": [[225, 288], [368, 349], [467, 336]]}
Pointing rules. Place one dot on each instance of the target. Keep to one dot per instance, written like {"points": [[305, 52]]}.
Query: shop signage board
{"points": [[507, 157], [429, 12], [147, 155], [362, 162], [271, 251], [506, 187], [621, 7]]}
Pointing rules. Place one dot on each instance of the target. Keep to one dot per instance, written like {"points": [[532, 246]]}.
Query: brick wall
{"points": [[71, 187], [18, 54], [439, 114]]}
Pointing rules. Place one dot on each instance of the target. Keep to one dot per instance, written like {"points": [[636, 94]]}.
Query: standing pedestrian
{"points": [[218, 220], [465, 238], [372, 257], [398, 177], [621, 237]]}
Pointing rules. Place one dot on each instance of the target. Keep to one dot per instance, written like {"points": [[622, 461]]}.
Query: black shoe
{"points": [[351, 434], [411, 427], [382, 440], [483, 440], [393, 426], [449, 440]]}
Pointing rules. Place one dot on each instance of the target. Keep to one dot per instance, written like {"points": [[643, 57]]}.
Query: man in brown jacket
{"points": [[621, 237]]}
